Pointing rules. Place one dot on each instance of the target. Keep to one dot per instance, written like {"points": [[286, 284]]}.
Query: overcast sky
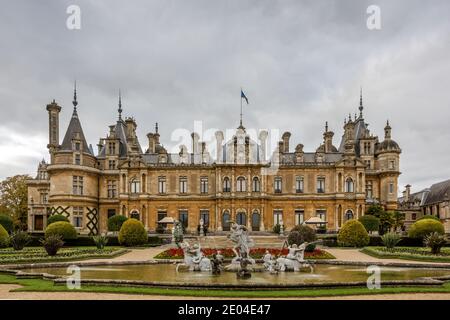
{"points": [[300, 63]]}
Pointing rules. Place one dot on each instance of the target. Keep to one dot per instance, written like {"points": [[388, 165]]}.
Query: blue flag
{"points": [[243, 96]]}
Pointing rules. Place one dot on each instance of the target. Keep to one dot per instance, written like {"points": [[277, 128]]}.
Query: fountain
{"points": [[194, 259], [242, 243]]}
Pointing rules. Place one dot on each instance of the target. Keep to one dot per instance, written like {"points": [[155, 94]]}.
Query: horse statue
{"points": [[194, 259]]}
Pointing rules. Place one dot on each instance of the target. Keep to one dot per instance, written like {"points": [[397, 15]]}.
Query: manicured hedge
{"points": [[62, 228], [86, 241], [7, 223], [375, 241], [132, 233], [4, 237], [422, 228], [115, 222], [353, 234]]}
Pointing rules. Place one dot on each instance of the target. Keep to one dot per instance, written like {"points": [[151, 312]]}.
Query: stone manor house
{"points": [[241, 183]]}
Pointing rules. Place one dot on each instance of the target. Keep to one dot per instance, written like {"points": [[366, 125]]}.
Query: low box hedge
{"points": [[87, 241], [375, 241]]}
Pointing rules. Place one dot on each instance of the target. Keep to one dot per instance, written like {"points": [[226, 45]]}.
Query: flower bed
{"points": [[256, 253], [35, 255], [409, 253]]}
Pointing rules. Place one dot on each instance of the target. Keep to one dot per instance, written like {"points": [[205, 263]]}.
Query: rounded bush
{"points": [[300, 234], [424, 227], [63, 229], [370, 222], [7, 223], [132, 233], [115, 222], [353, 234], [429, 216], [4, 237], [56, 218]]}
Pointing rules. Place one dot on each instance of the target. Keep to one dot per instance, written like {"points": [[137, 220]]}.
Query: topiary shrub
{"points": [[115, 222], [7, 223], [429, 216], [435, 241], [422, 228], [353, 234], [370, 222], [276, 229], [55, 218], [390, 239], [19, 240], [132, 233], [300, 234], [62, 228], [4, 237]]}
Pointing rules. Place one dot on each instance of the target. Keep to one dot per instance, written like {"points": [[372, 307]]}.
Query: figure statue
{"points": [[194, 258], [177, 233], [294, 259], [270, 263], [201, 222], [216, 263], [242, 243]]}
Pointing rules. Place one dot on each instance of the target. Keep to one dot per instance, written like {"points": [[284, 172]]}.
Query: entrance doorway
{"points": [[226, 221], [39, 223]]}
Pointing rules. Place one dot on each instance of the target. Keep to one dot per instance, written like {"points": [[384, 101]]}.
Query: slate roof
{"points": [[74, 128], [439, 192]]}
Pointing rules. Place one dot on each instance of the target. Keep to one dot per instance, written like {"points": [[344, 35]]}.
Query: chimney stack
{"points": [[285, 137]]}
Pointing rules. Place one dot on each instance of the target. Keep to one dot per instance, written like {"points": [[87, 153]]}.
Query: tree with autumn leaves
{"points": [[13, 199]]}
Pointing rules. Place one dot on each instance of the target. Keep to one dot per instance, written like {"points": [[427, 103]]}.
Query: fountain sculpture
{"points": [[194, 258]]}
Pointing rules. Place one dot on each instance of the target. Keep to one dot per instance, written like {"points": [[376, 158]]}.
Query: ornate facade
{"points": [[240, 183]]}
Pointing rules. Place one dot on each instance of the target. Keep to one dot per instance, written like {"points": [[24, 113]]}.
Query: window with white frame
{"points": [[226, 184], [240, 184], [204, 185], [112, 189], [320, 185], [77, 217], [277, 184], [349, 185], [183, 184], [77, 185], [135, 186], [277, 217], [299, 184], [299, 216], [256, 185], [322, 214], [162, 184]]}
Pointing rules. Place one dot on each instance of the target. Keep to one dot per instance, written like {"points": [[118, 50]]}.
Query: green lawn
{"points": [[39, 285], [38, 254], [408, 253]]}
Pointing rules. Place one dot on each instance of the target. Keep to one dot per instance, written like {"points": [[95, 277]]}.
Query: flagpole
{"points": [[241, 108]]}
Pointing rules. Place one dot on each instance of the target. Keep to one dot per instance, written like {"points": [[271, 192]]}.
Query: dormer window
{"points": [[112, 148], [77, 146], [78, 159]]}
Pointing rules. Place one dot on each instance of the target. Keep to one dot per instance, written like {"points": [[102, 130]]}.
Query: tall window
{"points": [[277, 217], [322, 214], [135, 186], [368, 164], [226, 184], [162, 184], [183, 184], [240, 184], [349, 186], [256, 185], [277, 184], [183, 217], [391, 164], [320, 185], [77, 146], [77, 185], [111, 164], [112, 189], [391, 187], [299, 216], [299, 184], [112, 148], [204, 214], [204, 185], [44, 197], [369, 189], [77, 159], [78, 217]]}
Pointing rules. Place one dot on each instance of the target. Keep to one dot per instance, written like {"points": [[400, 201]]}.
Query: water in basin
{"points": [[167, 273]]}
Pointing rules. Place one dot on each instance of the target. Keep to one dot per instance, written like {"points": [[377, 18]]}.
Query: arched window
{"points": [[135, 215], [256, 185], [349, 185], [348, 215], [226, 184], [240, 184], [135, 186]]}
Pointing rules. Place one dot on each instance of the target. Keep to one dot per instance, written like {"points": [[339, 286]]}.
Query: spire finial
{"points": [[326, 126], [120, 105], [360, 104], [156, 127], [75, 102]]}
